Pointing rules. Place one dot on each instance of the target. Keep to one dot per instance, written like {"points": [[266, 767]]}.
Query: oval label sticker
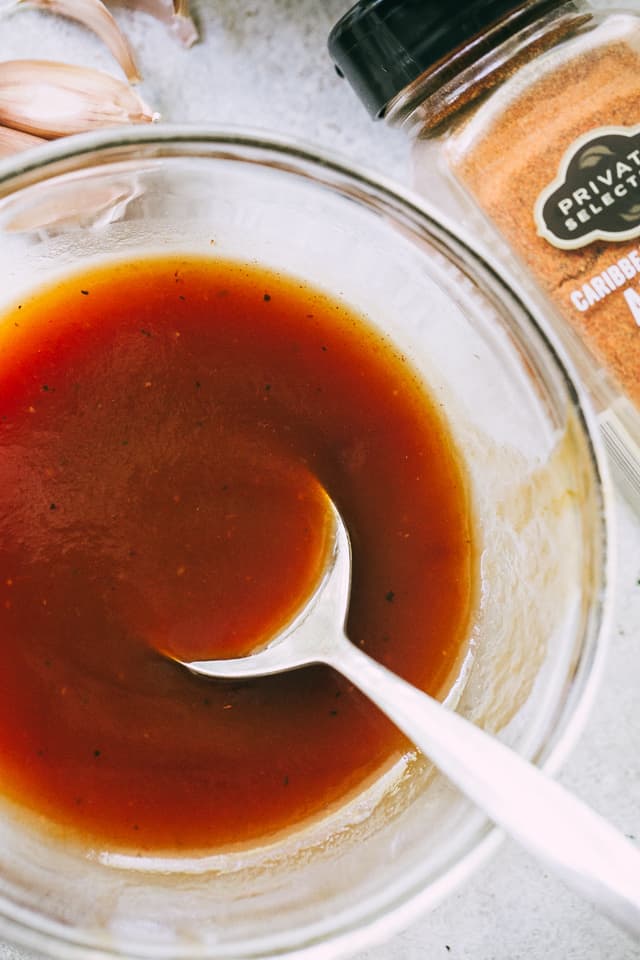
{"points": [[596, 195]]}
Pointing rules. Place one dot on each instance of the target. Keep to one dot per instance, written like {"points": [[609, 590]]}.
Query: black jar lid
{"points": [[380, 46]]}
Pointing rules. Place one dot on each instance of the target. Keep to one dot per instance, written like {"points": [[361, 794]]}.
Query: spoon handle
{"points": [[588, 853]]}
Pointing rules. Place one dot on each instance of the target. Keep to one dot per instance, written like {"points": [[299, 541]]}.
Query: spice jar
{"points": [[525, 119]]}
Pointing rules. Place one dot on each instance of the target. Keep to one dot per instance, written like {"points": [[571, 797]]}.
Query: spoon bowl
{"points": [[590, 855], [315, 635]]}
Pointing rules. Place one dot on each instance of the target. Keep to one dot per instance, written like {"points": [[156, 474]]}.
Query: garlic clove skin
{"points": [[174, 13], [77, 203], [94, 15], [50, 99], [182, 23], [15, 141]]}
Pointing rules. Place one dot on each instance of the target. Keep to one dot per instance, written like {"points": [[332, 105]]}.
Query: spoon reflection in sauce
{"points": [[581, 847]]}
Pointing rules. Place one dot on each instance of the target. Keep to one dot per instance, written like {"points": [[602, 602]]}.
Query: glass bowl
{"points": [[540, 495]]}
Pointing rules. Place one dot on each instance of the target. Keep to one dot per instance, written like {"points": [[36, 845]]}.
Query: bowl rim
{"points": [[161, 140]]}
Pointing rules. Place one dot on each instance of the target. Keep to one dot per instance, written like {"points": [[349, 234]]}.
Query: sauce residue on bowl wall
{"points": [[164, 427]]}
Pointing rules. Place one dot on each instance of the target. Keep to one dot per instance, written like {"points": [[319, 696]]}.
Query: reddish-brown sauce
{"points": [[163, 428]]}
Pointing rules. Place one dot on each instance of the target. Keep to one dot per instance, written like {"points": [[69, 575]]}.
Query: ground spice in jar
{"points": [[526, 121], [508, 161]]}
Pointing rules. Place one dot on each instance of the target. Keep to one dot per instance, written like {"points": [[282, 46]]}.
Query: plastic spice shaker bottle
{"points": [[525, 119]]}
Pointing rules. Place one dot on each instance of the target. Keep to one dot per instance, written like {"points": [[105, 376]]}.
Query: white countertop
{"points": [[263, 63]]}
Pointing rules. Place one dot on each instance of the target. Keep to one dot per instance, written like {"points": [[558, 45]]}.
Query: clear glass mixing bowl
{"points": [[533, 456]]}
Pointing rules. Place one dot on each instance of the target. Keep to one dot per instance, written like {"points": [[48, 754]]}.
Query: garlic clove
{"points": [[182, 23], [14, 141], [76, 203], [94, 15], [175, 13], [51, 99]]}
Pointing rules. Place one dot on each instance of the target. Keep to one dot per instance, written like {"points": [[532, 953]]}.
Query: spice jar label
{"points": [[596, 195]]}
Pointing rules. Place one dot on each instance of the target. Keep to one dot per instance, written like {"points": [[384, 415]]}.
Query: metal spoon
{"points": [[575, 842]]}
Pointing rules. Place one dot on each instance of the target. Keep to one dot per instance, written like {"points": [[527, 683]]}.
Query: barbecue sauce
{"points": [[167, 430]]}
